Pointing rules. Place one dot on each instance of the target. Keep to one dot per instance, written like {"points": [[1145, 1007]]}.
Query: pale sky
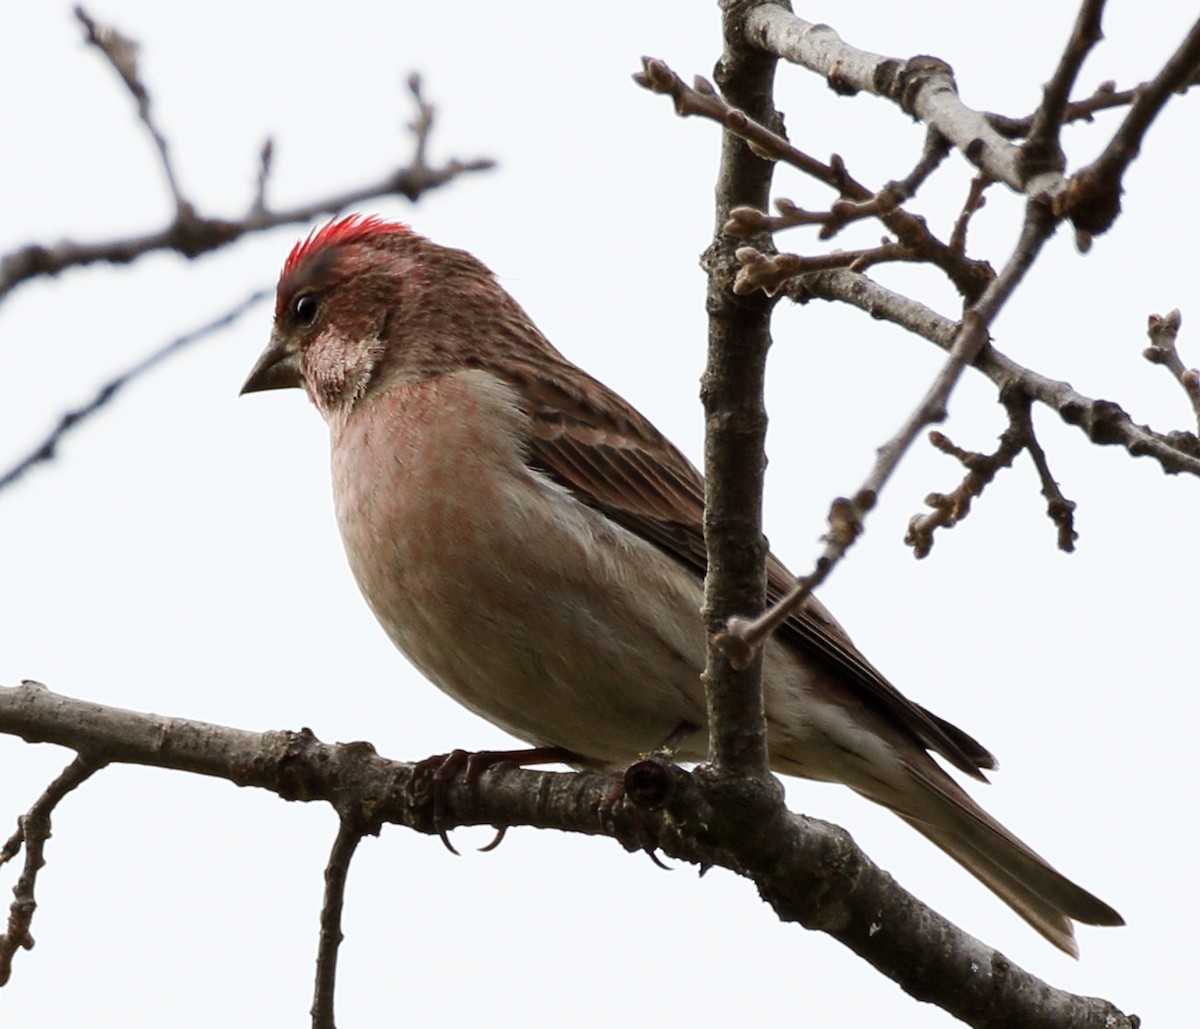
{"points": [[180, 556]]}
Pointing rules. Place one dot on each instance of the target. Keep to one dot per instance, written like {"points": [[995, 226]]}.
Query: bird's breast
{"points": [[530, 608]]}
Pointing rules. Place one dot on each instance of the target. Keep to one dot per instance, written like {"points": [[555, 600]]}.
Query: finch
{"points": [[534, 546]]}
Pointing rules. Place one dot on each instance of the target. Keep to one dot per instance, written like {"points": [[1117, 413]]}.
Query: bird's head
{"points": [[364, 302]]}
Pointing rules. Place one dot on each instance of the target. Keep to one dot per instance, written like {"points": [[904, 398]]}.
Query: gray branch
{"points": [[1102, 421], [808, 871], [192, 234]]}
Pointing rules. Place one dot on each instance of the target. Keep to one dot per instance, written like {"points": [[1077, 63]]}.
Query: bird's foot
{"points": [[441, 770], [676, 739]]}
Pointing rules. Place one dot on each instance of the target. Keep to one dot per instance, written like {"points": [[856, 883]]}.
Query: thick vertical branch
{"points": [[735, 415]]}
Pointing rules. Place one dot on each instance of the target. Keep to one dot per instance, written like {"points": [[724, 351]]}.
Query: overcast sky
{"points": [[180, 555]]}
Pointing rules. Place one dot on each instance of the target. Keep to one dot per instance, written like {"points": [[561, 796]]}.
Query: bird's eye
{"points": [[304, 307]]}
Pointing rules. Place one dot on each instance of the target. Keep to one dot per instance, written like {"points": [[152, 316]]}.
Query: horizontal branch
{"points": [[196, 235], [922, 86], [809, 871], [192, 234], [1101, 421]]}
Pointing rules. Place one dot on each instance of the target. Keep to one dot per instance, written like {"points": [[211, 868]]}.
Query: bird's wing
{"points": [[612, 459]]}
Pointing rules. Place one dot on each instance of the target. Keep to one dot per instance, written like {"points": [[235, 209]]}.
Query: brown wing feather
{"points": [[614, 460]]}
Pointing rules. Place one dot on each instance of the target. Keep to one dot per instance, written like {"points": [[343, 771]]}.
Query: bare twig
{"points": [[422, 124], [975, 200], [1105, 97], [33, 830], [1101, 421], [48, 447], [336, 870], [1060, 510], [771, 272], [924, 87], [191, 233], [748, 222], [1163, 331], [935, 151], [1042, 151], [702, 99], [202, 235], [970, 278], [266, 154], [1093, 198], [743, 637], [948, 509], [122, 53]]}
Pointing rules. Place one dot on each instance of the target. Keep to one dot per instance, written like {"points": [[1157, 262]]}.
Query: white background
{"points": [[180, 554]]}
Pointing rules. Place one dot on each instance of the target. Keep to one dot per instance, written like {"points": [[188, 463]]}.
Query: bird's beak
{"points": [[278, 368]]}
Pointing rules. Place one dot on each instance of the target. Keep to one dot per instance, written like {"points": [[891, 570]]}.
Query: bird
{"points": [[534, 546]]}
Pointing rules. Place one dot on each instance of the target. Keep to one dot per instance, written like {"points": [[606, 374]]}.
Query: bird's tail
{"points": [[1044, 897]]}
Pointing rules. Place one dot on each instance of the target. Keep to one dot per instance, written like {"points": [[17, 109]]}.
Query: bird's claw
{"points": [[650, 853], [495, 840], [442, 769], [642, 838]]}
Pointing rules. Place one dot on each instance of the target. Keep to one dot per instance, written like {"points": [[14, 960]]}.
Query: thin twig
{"points": [[202, 235], [1092, 200], [703, 100], [742, 636], [33, 830], [975, 200], [1060, 510], [422, 124], [122, 53], [1042, 150], [746, 222], [970, 278], [258, 205], [771, 272], [948, 509], [951, 508], [1163, 331], [48, 447], [1101, 421], [1105, 97], [190, 233], [936, 149], [336, 870]]}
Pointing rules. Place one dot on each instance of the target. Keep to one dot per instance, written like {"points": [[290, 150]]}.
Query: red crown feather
{"points": [[350, 229]]}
